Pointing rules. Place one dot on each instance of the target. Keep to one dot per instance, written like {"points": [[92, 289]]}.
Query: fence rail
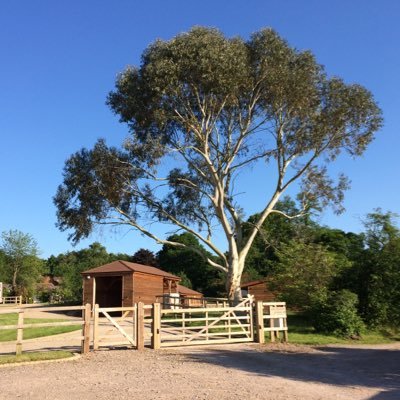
{"points": [[246, 322], [11, 300], [116, 330], [271, 317], [174, 302], [24, 312], [193, 326]]}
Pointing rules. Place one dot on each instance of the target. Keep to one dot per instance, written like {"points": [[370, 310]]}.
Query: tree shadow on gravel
{"points": [[369, 368]]}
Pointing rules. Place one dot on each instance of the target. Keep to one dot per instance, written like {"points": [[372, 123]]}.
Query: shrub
{"points": [[337, 314], [304, 273]]}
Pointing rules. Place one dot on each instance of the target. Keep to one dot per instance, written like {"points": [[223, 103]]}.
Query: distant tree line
{"points": [[331, 274]]}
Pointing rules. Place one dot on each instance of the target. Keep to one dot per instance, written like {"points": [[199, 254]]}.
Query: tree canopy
{"points": [[194, 271], [21, 264], [201, 108]]}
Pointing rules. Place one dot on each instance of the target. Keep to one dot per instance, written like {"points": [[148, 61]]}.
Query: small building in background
{"points": [[122, 284], [190, 298], [184, 298], [259, 289]]}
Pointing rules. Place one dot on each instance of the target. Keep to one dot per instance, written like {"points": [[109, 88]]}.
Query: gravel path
{"points": [[215, 372]]}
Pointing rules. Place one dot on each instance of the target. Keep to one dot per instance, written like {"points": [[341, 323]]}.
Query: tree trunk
{"points": [[14, 282], [233, 282]]}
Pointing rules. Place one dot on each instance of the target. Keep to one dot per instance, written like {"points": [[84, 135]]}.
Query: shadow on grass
{"points": [[340, 366]]}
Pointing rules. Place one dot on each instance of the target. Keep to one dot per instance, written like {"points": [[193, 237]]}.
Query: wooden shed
{"points": [[259, 289], [189, 297], [122, 283]]}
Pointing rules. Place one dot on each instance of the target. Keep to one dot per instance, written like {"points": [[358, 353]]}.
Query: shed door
{"points": [[109, 291]]}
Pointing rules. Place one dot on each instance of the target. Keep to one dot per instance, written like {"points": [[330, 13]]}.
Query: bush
{"points": [[51, 295], [337, 314]]}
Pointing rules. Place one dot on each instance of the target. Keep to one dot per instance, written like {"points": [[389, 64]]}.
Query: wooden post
{"points": [[183, 326], [285, 332], [260, 322], [96, 327], [140, 326], [271, 325], [85, 347], [156, 316], [278, 334], [207, 337], [134, 321], [94, 292], [20, 332]]}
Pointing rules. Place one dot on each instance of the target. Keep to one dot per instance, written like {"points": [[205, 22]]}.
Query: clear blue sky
{"points": [[59, 60]]}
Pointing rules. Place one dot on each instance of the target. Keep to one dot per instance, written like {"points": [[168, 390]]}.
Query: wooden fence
{"points": [[173, 302], [272, 318], [11, 300], [130, 327], [150, 324], [24, 312]]}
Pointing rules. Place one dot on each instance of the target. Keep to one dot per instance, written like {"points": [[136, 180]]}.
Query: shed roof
{"points": [[253, 283], [126, 266], [186, 291]]}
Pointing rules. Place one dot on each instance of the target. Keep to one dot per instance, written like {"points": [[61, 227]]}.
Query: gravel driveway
{"points": [[245, 372]]}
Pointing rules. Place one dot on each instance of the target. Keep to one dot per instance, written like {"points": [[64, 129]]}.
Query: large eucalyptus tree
{"points": [[200, 109]]}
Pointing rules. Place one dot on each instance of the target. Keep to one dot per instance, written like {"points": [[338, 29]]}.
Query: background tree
{"points": [[3, 274], [349, 250], [304, 273], [377, 273], [145, 257], [21, 264], [194, 271], [202, 108], [276, 231], [69, 266]]}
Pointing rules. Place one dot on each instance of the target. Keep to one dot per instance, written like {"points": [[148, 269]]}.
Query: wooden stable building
{"points": [[259, 289], [122, 284], [190, 298], [184, 298]]}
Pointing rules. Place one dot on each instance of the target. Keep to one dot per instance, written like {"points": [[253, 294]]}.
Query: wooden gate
{"points": [[188, 326], [114, 330], [194, 326]]}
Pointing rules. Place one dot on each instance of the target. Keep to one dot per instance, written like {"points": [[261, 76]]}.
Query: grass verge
{"points": [[302, 332], [31, 333], [35, 356]]}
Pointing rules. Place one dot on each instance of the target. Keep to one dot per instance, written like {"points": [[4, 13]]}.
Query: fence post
{"points": [[20, 332], [272, 323], [156, 339], [85, 347], [140, 326], [285, 332], [260, 322], [96, 327]]}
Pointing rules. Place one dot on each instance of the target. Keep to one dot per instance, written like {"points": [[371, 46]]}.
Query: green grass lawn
{"points": [[35, 356], [30, 333], [301, 332]]}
